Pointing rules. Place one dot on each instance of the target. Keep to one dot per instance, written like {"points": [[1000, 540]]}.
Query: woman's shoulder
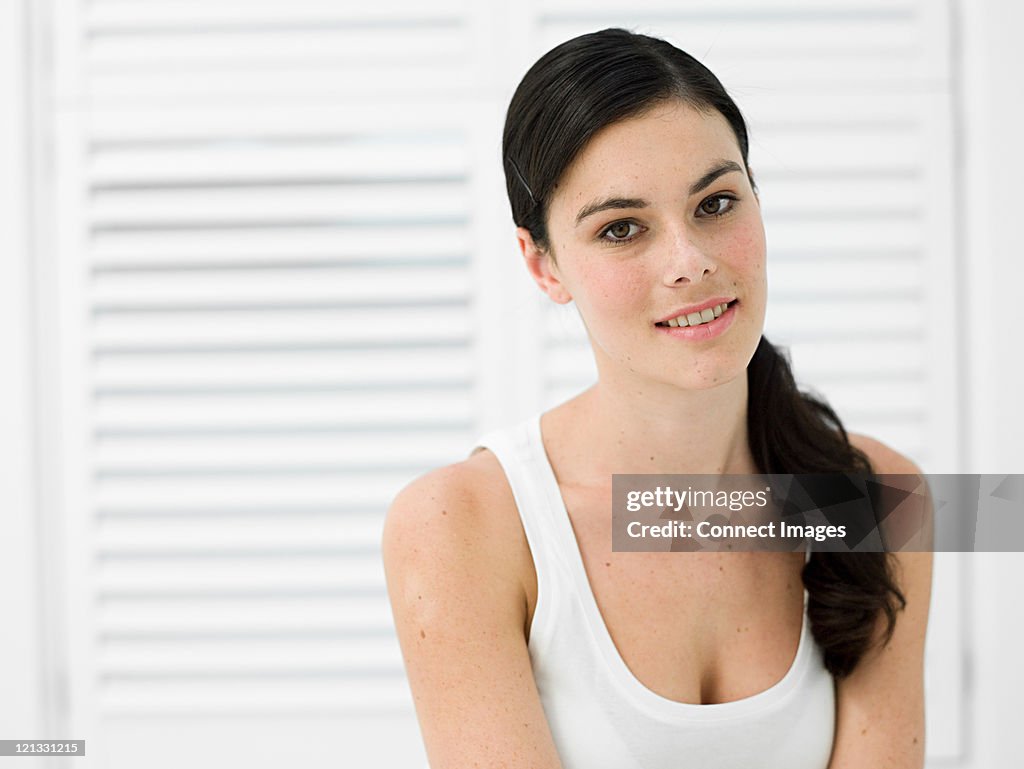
{"points": [[463, 512], [466, 488], [460, 614], [884, 459], [451, 540]]}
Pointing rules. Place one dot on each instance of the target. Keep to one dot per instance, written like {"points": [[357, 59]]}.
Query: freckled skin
{"points": [[679, 254]]}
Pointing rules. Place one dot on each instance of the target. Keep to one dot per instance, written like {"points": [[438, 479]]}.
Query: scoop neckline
{"points": [[632, 686]]}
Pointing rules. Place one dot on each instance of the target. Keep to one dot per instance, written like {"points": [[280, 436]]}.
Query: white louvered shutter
{"points": [[283, 247], [267, 225]]}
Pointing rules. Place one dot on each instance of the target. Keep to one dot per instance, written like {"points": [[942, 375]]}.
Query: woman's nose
{"points": [[687, 261]]}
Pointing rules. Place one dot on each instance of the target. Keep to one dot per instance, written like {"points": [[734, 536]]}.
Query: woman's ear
{"points": [[542, 267]]}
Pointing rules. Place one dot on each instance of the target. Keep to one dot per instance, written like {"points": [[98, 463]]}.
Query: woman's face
{"points": [[654, 216]]}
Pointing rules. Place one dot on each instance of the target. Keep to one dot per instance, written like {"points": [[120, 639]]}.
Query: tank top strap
{"points": [[515, 450]]}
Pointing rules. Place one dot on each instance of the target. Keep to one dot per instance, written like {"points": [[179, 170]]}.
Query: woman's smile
{"points": [[721, 320]]}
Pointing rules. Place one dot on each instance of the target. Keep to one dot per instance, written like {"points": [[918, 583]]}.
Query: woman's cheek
{"points": [[620, 291], [744, 247], [753, 244]]}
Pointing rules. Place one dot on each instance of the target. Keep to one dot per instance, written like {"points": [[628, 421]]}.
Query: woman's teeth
{"points": [[697, 318]]}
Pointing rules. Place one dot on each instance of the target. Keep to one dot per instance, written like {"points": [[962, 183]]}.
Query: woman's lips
{"points": [[710, 330], [700, 308]]}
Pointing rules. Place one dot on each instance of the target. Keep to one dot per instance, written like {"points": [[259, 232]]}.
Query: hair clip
{"points": [[521, 179]]}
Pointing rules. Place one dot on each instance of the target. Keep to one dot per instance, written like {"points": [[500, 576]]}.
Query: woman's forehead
{"points": [[673, 140]]}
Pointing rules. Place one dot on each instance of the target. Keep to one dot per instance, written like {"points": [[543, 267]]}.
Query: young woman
{"points": [[527, 641]]}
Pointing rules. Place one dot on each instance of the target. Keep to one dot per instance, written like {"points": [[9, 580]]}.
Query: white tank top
{"points": [[602, 716]]}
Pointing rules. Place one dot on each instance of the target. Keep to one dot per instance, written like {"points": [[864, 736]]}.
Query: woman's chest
{"points": [[691, 627]]}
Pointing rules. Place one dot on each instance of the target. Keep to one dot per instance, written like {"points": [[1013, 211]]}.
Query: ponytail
{"points": [[794, 432]]}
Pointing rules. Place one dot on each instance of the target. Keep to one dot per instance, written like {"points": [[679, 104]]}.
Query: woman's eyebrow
{"points": [[604, 205], [723, 167]]}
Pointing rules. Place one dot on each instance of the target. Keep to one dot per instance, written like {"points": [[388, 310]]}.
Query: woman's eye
{"points": [[625, 231], [620, 232], [717, 205]]}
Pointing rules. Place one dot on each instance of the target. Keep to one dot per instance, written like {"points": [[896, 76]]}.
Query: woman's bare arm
{"points": [[460, 607], [880, 719]]}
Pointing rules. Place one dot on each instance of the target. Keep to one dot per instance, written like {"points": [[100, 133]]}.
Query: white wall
{"points": [[992, 114], [993, 274]]}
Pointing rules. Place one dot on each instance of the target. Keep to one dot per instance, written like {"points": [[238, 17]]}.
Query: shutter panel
{"points": [[268, 219]]}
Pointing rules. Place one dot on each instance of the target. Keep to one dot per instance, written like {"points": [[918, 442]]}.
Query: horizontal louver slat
{"points": [[782, 9], [172, 618], [350, 691], [753, 35], [878, 194], [163, 659], [141, 536], [227, 329], [356, 205], [257, 488], [130, 16], [375, 287], [196, 411], [280, 246], [802, 279], [330, 568], [295, 370], [235, 46], [309, 450], [187, 165]]}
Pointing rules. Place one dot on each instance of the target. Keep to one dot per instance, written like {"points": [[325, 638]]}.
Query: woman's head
{"points": [[626, 165]]}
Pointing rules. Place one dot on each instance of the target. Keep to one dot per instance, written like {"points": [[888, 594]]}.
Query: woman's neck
{"points": [[660, 429]]}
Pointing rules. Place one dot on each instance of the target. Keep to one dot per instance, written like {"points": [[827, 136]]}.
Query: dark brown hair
{"points": [[597, 79]]}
